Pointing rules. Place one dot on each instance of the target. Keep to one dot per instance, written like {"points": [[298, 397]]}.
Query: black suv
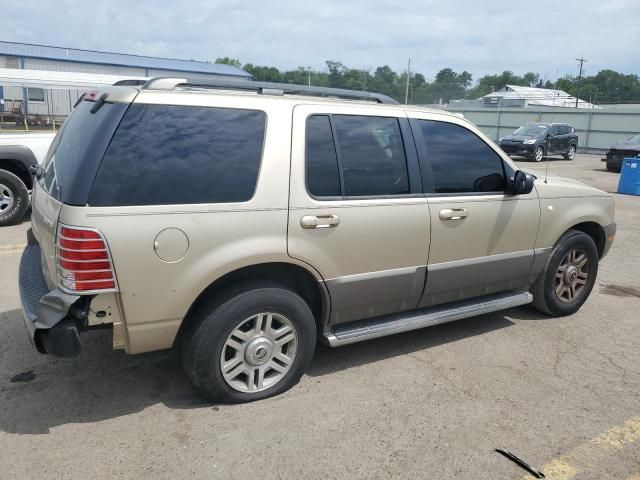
{"points": [[535, 140]]}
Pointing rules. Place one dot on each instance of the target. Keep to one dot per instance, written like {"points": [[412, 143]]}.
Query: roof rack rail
{"points": [[265, 88], [130, 82]]}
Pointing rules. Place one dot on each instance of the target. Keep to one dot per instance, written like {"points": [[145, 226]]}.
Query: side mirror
{"points": [[522, 183]]}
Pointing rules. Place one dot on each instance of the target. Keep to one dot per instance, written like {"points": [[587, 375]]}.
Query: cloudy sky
{"points": [[481, 37]]}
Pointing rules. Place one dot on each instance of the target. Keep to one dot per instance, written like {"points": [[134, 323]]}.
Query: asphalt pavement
{"points": [[563, 394]]}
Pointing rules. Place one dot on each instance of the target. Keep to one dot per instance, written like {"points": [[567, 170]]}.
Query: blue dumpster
{"points": [[630, 177]]}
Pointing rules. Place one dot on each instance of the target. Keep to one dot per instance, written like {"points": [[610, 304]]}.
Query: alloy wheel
{"points": [[539, 154], [571, 153], [572, 275], [6, 198], [259, 352]]}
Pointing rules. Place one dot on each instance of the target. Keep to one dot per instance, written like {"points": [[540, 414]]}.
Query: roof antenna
{"points": [[546, 173]]}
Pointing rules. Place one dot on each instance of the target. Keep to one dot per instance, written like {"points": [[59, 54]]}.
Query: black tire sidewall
{"points": [[20, 195], [574, 239], [204, 347]]}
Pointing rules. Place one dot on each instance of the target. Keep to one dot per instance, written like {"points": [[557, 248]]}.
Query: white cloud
{"points": [[544, 36]]}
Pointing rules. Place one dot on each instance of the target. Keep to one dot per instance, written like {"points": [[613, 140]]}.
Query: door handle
{"points": [[453, 213], [319, 221]]}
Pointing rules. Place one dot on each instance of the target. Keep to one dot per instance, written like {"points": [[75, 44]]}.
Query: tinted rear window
{"points": [[164, 154], [75, 153]]}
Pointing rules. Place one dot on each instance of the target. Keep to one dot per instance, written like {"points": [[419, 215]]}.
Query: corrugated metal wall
{"points": [[597, 129]]}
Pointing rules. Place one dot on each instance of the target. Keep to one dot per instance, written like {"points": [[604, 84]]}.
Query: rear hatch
{"points": [[71, 165]]}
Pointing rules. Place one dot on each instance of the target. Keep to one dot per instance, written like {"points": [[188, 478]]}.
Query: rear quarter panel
{"points": [[155, 294]]}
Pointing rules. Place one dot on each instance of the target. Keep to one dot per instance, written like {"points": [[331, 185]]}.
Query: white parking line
{"points": [[12, 248]]}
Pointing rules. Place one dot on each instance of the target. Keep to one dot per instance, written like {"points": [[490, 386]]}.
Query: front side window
{"points": [[167, 154], [460, 161]]}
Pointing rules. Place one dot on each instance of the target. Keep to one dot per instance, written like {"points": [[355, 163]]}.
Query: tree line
{"points": [[607, 86]]}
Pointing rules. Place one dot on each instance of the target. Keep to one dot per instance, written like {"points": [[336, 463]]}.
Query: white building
{"points": [[59, 102], [517, 96]]}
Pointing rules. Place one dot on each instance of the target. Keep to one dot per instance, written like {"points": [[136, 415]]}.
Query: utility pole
{"points": [[309, 76], [581, 60], [406, 91]]}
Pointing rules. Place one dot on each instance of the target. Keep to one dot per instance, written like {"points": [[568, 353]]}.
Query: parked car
{"points": [[628, 148], [242, 221], [18, 153], [537, 140]]}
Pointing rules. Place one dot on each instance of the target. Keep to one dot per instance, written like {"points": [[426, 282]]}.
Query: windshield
{"points": [[532, 130]]}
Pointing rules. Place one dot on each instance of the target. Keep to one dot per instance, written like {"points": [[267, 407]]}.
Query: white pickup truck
{"points": [[18, 153]]}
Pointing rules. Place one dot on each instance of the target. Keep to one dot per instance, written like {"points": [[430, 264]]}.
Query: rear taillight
{"points": [[84, 263]]}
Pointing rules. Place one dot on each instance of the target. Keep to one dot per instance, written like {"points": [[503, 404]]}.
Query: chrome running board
{"points": [[406, 321]]}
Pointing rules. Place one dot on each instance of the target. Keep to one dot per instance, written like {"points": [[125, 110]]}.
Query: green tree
{"points": [[229, 61], [263, 74]]}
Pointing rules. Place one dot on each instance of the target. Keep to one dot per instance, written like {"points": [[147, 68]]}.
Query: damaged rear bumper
{"points": [[52, 317]]}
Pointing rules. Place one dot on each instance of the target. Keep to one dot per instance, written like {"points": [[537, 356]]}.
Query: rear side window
{"points": [[323, 176], [460, 161], [372, 155], [367, 152], [166, 154]]}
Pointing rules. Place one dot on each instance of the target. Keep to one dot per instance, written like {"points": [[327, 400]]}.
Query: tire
{"points": [[571, 153], [233, 332], [538, 153], [613, 168], [14, 198], [545, 290]]}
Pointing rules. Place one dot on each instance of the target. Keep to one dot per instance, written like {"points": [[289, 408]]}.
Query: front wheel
{"points": [[569, 275], [571, 153], [14, 198], [538, 153], [613, 168], [250, 345]]}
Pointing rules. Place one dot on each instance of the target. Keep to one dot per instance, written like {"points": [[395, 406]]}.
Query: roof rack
{"points": [[265, 88]]}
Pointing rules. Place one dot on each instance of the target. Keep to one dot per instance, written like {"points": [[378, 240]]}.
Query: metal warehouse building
{"points": [[59, 102]]}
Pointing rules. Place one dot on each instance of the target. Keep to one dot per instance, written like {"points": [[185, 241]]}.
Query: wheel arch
{"points": [[17, 160], [595, 231], [293, 276]]}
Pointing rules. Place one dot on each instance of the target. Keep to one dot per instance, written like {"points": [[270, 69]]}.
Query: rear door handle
{"points": [[319, 221], [453, 213]]}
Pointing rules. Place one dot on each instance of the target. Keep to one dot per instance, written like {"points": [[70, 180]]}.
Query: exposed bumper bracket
{"points": [[46, 313]]}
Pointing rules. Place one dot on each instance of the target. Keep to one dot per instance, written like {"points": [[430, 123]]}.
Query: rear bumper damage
{"points": [[52, 317]]}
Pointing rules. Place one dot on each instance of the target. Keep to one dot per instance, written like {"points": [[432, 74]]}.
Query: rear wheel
{"points": [[571, 153], [250, 345], [569, 275], [14, 198], [538, 153], [613, 168]]}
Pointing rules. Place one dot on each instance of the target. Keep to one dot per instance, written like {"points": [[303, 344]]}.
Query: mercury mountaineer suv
{"points": [[240, 222]]}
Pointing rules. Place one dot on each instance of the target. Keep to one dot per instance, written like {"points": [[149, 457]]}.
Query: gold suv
{"points": [[240, 222]]}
